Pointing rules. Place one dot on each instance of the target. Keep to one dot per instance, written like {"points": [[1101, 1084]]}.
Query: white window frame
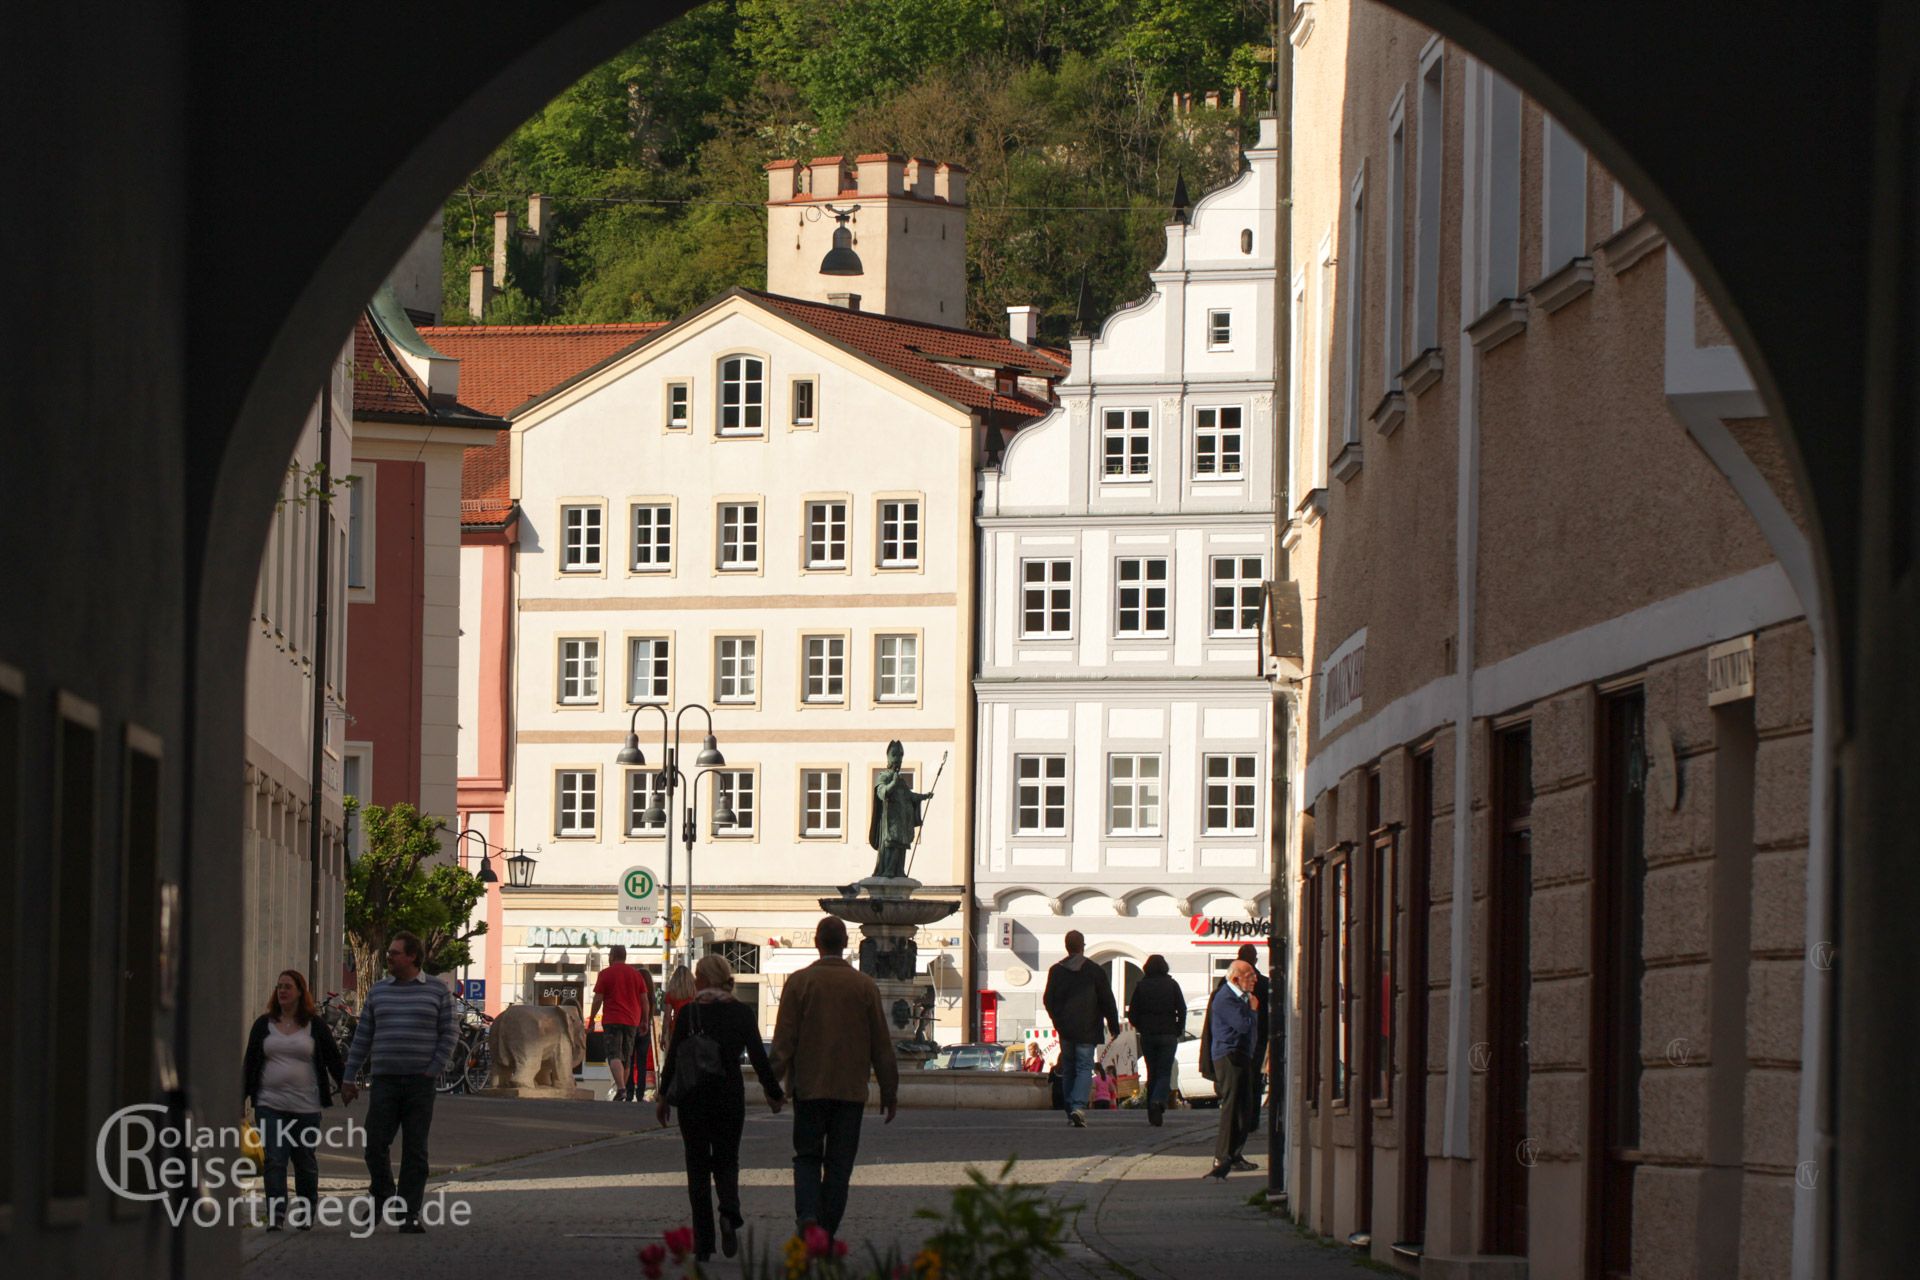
{"points": [[679, 416], [1239, 584], [1132, 426], [742, 385], [736, 527], [363, 752], [1498, 232], [585, 553], [1142, 587], [1220, 329], [641, 787], [577, 670], [1393, 313], [823, 802], [362, 529], [741, 667], [1353, 296], [1048, 586], [658, 648], [899, 532], [828, 552], [730, 780], [810, 387], [659, 540], [1210, 435], [823, 668], [1296, 388], [1323, 361], [1238, 780], [1140, 778], [581, 787], [1430, 148], [902, 667], [1036, 775]]}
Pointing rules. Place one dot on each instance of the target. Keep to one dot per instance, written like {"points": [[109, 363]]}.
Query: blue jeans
{"points": [[289, 1136], [1076, 1068], [1158, 1051]]}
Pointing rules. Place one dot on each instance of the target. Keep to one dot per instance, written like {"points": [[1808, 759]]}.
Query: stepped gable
{"points": [[504, 366]]}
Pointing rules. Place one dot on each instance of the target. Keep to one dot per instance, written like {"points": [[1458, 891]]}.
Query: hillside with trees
{"points": [[1072, 115]]}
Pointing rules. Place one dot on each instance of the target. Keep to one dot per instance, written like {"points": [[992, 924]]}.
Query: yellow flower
{"points": [[795, 1254], [926, 1265]]}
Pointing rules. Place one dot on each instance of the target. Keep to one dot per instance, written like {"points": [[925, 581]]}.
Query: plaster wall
{"points": [[912, 251]]}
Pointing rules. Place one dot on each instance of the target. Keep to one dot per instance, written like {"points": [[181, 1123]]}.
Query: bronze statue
{"points": [[896, 816]]}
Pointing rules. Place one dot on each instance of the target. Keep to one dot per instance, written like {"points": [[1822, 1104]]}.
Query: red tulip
{"points": [[651, 1259], [680, 1241], [817, 1241], [839, 1248]]}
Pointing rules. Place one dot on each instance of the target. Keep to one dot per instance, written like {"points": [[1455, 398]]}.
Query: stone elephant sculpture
{"points": [[536, 1046]]}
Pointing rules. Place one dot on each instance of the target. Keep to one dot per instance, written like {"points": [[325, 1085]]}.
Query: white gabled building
{"points": [[1125, 723]]}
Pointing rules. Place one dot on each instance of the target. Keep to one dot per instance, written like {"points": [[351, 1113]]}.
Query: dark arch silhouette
{"points": [[170, 319]]}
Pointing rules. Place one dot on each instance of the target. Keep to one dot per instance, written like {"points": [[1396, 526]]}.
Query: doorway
{"points": [[1509, 1153]]}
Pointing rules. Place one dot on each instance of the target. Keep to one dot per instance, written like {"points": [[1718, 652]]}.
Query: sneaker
{"points": [[1078, 1119], [412, 1227], [1243, 1165], [729, 1236], [1218, 1173], [1155, 1112], [613, 1094]]}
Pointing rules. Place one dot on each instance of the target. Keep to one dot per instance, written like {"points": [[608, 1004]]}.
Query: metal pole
{"points": [[667, 774], [1279, 943]]}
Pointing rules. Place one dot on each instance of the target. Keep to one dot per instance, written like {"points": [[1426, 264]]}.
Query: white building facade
{"points": [[1125, 718]]}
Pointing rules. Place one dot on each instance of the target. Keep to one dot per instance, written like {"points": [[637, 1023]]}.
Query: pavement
{"points": [[575, 1188]]}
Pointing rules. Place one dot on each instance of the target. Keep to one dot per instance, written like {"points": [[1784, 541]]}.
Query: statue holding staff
{"points": [[896, 816]]}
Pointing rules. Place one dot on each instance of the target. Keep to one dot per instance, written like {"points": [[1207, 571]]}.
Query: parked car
{"points": [[1187, 1080], [976, 1057]]}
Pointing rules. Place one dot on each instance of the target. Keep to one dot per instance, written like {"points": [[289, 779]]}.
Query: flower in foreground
{"points": [[926, 1265], [817, 1240], [651, 1259], [680, 1241]]}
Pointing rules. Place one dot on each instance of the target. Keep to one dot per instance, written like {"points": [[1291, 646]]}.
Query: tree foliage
{"points": [[397, 883], [1062, 110]]}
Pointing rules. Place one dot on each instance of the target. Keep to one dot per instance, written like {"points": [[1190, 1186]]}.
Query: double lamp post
{"points": [[668, 780]]}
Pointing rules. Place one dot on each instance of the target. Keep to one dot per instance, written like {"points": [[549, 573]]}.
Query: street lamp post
{"points": [[486, 877], [670, 779]]}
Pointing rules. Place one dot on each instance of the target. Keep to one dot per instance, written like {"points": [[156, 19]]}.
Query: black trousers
{"points": [[826, 1138], [1233, 1078], [710, 1129], [1252, 1095], [1158, 1049], [402, 1105]]}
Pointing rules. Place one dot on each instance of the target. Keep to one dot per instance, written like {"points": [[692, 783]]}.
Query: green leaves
{"points": [[398, 883]]}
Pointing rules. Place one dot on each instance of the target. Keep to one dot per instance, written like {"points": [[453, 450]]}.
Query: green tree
{"points": [[397, 883]]}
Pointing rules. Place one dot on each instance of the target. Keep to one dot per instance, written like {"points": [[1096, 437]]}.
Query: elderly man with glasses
{"points": [[407, 1030]]}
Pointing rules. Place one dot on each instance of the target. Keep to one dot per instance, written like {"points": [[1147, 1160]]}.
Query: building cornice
{"points": [[1255, 519]]}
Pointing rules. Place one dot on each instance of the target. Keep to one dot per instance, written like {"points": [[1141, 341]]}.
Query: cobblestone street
{"points": [[547, 1196]]}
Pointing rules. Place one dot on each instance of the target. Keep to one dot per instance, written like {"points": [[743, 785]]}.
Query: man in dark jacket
{"points": [[1249, 955], [1158, 1012], [1079, 998], [1232, 1020]]}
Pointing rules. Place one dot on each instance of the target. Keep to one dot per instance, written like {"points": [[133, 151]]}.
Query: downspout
{"points": [[970, 995], [321, 620], [1279, 942]]}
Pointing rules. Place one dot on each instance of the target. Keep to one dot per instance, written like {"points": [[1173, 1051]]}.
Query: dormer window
{"points": [[1006, 382]]}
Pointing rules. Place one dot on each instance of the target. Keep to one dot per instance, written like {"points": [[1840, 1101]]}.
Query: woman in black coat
{"points": [[714, 1116], [291, 1069], [1158, 1011]]}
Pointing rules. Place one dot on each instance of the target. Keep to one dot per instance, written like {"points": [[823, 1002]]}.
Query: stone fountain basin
{"points": [[896, 911]]}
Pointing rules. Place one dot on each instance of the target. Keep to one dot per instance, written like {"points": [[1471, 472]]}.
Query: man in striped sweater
{"points": [[407, 1029]]}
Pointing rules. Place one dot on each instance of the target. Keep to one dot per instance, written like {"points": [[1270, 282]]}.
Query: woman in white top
{"points": [[292, 1066]]}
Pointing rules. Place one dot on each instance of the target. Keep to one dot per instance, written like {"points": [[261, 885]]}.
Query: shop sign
{"points": [[1343, 680], [545, 936], [1730, 671], [1216, 931]]}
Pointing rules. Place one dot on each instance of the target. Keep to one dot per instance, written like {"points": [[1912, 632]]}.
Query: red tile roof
{"points": [[923, 353], [504, 366], [381, 386]]}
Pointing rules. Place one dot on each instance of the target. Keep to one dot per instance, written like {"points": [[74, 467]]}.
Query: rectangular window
{"points": [[1216, 442], [1231, 799], [896, 664], [804, 392], [1313, 906], [652, 537], [822, 801], [736, 786], [1353, 296], [679, 406], [70, 926], [736, 667], [1133, 795], [356, 770], [1046, 599], [575, 802], [1220, 330], [899, 533], [1393, 357], [1128, 444], [359, 533], [1563, 202], [579, 671], [1040, 795], [826, 535], [643, 790], [1236, 595], [1384, 899], [649, 669], [1500, 214], [580, 539], [739, 529], [1323, 363], [1342, 979], [826, 668], [1430, 143], [1298, 481], [743, 394], [1140, 597]]}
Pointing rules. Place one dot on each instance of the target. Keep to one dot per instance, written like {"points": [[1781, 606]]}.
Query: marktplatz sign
{"points": [[639, 897]]}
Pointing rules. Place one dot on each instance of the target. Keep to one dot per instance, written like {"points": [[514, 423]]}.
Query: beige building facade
{"points": [[1555, 988]]}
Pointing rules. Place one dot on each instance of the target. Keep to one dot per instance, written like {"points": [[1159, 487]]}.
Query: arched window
{"points": [[1246, 240], [742, 395]]}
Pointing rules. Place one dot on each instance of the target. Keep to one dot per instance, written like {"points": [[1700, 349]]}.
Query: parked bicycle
{"points": [[340, 1019], [468, 1067]]}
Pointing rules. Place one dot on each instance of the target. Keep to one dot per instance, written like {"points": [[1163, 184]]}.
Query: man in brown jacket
{"points": [[830, 1033]]}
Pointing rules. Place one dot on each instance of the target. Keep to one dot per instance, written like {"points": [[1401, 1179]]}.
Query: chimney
{"points": [[502, 229], [851, 301], [479, 290], [539, 219], [1023, 324]]}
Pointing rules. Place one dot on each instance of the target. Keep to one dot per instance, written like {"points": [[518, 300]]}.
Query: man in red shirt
{"points": [[623, 989]]}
